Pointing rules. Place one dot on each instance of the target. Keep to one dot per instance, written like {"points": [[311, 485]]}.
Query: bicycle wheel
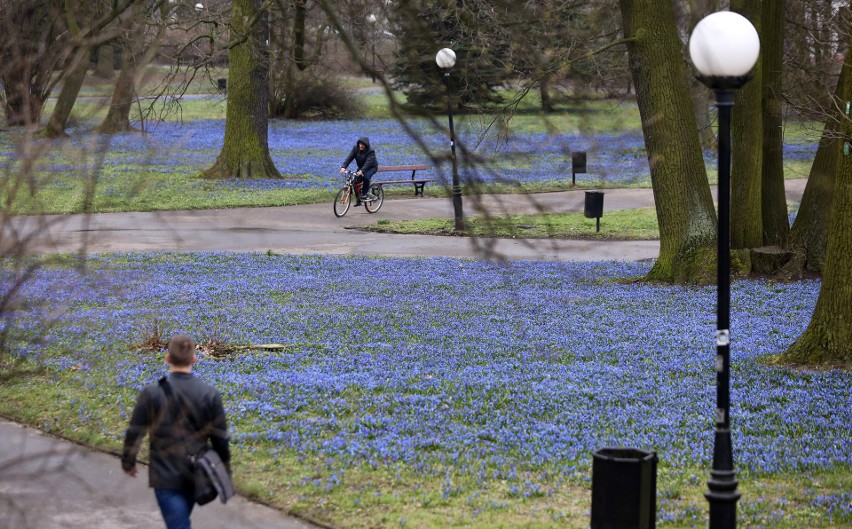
{"points": [[374, 205], [342, 202]]}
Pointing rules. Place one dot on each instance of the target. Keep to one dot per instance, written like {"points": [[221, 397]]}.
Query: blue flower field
{"points": [[147, 171], [450, 385]]}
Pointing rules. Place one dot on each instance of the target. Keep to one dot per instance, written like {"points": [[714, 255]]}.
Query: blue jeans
{"points": [[176, 506]]}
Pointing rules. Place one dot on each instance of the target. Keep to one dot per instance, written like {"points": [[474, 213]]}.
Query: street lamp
{"points": [[724, 47], [371, 18], [446, 59]]}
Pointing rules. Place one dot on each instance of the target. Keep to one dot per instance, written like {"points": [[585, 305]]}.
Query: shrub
{"points": [[312, 96]]}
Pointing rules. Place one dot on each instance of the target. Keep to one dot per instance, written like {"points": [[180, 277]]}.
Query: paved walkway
{"points": [[47, 483], [314, 229]]}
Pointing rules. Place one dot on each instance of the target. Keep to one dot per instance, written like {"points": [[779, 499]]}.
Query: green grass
{"points": [[142, 189], [92, 111], [52, 400], [638, 224], [153, 80]]}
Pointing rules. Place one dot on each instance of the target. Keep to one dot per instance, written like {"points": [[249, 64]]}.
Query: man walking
{"points": [[180, 414]]}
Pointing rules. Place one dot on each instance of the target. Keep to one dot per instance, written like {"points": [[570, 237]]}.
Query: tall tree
{"points": [[828, 338], [472, 29], [747, 133], [117, 118], [35, 42], [245, 153], [74, 75], [105, 59], [136, 56], [757, 177], [684, 205], [809, 234], [694, 11], [294, 57], [32, 45], [775, 221]]}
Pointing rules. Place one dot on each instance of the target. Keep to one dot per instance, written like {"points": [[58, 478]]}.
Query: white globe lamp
{"points": [[724, 44], [446, 58]]}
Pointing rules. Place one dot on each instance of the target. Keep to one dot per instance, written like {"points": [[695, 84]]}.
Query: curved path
{"points": [[314, 229]]}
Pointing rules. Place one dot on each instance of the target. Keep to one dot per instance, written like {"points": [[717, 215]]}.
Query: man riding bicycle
{"points": [[365, 158]]}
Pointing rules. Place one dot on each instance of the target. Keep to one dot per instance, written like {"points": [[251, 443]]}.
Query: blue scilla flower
{"points": [[495, 370]]}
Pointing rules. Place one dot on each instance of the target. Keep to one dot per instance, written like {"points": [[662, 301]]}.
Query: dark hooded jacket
{"points": [[366, 159]]}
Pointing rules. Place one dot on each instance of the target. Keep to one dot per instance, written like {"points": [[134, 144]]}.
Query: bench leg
{"points": [[418, 188]]}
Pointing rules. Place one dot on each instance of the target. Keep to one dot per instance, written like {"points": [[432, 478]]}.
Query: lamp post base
{"points": [[722, 494]]}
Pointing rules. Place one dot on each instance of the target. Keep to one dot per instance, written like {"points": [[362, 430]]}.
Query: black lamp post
{"points": [[371, 18], [724, 46], [446, 59]]}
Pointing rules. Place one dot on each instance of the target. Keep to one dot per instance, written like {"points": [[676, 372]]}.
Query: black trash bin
{"points": [[578, 165], [222, 84], [594, 206], [624, 489]]}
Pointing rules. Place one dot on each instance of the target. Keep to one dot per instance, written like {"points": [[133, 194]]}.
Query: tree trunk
{"points": [[684, 205], [544, 90], [105, 68], [21, 106], [245, 153], [697, 91], [747, 135], [809, 236], [31, 47], [118, 115], [68, 95], [289, 91], [828, 338], [776, 224]]}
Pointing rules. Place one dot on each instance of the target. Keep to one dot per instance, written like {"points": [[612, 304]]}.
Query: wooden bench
{"points": [[419, 183]]}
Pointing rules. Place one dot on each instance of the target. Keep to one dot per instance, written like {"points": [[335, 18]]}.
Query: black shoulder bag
{"points": [[210, 475]]}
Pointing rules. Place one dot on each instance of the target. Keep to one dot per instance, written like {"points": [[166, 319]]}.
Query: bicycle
{"points": [[343, 200]]}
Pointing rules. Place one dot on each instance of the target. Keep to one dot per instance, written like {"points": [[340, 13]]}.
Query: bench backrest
{"points": [[387, 168]]}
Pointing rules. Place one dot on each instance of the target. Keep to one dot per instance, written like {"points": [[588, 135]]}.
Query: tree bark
{"points": [[828, 338], [776, 224], [684, 205], [68, 95], [697, 91], [74, 74], [544, 91], [31, 47], [118, 115], [105, 68], [245, 153], [747, 134], [808, 236]]}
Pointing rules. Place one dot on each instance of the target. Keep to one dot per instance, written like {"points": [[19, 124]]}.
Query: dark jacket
{"points": [[194, 415], [366, 159]]}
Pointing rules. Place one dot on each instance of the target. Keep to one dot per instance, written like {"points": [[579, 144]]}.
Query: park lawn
{"points": [[474, 398], [158, 170], [637, 224]]}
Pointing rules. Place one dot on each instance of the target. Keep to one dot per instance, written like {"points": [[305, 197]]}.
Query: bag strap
{"points": [[170, 398], [167, 388]]}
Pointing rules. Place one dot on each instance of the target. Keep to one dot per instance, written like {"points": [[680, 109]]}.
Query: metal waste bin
{"points": [[594, 206], [222, 84], [624, 489], [578, 165]]}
